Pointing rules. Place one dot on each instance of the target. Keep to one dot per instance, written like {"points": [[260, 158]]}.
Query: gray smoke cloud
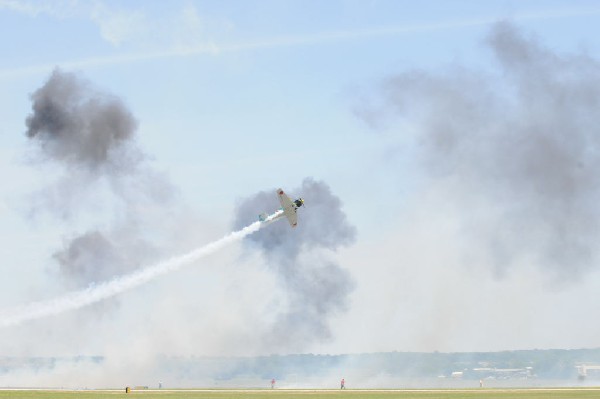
{"points": [[315, 285], [90, 134], [523, 143], [81, 126], [95, 256]]}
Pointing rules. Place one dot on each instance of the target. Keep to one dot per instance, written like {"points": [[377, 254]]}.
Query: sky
{"points": [[449, 149]]}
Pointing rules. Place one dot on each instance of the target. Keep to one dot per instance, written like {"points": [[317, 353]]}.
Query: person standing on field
{"points": [[343, 384]]}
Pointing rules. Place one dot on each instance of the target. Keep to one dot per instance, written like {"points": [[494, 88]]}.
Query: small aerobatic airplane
{"points": [[288, 209]]}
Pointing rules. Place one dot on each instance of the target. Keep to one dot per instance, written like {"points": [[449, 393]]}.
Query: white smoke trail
{"points": [[79, 299]]}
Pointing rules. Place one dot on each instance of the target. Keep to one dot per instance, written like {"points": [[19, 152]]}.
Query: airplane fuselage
{"points": [[288, 209]]}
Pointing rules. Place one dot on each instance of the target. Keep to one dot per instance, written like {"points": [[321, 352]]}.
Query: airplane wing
{"points": [[288, 208]]}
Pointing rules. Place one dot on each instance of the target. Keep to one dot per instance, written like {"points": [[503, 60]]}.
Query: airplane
{"points": [[288, 209]]}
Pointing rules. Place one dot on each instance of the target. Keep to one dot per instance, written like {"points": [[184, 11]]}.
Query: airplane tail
{"points": [[262, 217]]}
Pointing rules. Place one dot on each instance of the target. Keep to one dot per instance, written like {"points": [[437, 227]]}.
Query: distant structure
{"points": [[588, 370], [457, 374], [502, 374]]}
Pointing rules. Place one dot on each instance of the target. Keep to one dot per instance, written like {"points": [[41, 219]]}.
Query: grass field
{"points": [[550, 393]]}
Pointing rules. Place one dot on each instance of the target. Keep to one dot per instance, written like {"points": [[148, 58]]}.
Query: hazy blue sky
{"points": [[234, 97]]}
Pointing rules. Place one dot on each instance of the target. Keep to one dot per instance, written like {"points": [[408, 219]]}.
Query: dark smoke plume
{"points": [[91, 135], [316, 286], [80, 126], [525, 144]]}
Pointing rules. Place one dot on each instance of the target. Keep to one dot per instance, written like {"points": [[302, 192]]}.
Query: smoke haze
{"points": [[523, 144], [108, 289], [316, 286], [508, 155], [90, 136]]}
